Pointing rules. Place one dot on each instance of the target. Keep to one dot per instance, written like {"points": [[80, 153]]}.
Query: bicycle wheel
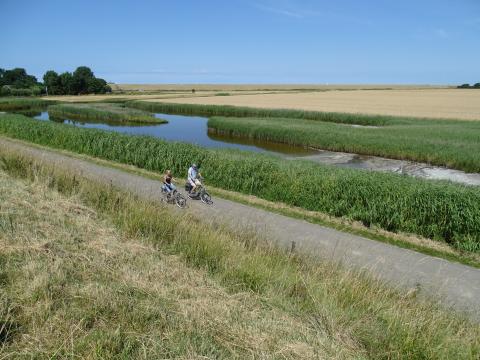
{"points": [[169, 197], [180, 200], [206, 198]]}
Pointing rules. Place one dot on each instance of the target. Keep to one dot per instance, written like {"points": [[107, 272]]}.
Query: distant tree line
{"points": [[468, 86], [17, 82], [81, 81]]}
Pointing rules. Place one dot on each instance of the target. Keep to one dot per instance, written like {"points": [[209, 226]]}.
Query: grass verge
{"points": [[343, 314], [102, 111]]}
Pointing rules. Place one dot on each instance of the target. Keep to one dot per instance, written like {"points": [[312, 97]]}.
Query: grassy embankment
{"points": [[451, 143], [92, 271], [102, 112], [9, 104], [436, 210]]}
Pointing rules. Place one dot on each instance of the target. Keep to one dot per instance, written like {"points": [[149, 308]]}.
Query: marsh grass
{"points": [[241, 111], [162, 285], [450, 143], [8, 104], [432, 209], [112, 112]]}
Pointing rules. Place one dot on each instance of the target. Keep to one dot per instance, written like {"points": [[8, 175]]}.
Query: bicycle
{"points": [[200, 193], [174, 197]]}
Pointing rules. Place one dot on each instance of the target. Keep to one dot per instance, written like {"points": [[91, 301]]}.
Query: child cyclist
{"points": [[168, 181]]}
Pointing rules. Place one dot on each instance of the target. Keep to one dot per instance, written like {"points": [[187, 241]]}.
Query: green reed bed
{"points": [[454, 144], [238, 111], [78, 291], [8, 104], [102, 112], [434, 209]]}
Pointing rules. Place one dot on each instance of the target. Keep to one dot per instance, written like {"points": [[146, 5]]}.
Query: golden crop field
{"points": [[88, 98], [154, 94], [430, 103], [260, 87]]}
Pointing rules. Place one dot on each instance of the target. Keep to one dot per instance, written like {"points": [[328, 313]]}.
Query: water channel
{"points": [[194, 129]]}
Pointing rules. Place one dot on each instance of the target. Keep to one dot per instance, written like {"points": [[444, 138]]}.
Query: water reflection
{"points": [[190, 129]]}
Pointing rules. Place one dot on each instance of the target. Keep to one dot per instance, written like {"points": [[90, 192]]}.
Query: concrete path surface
{"points": [[454, 285]]}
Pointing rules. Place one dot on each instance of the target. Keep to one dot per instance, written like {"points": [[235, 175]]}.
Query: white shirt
{"points": [[192, 173]]}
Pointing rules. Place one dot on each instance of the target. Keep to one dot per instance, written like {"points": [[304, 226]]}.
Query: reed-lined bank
{"points": [[454, 144], [8, 104], [237, 111], [102, 111]]}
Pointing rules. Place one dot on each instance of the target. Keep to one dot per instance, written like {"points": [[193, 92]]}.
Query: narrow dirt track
{"points": [[453, 285]]}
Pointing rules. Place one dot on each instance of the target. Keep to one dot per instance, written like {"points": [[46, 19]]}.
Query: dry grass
{"points": [[89, 98], [77, 287], [155, 94], [138, 96], [429, 103]]}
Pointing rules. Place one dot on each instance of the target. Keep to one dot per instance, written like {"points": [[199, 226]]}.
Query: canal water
{"points": [[190, 129], [194, 129]]}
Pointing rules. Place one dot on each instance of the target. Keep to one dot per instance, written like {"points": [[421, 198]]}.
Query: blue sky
{"points": [[258, 41]]}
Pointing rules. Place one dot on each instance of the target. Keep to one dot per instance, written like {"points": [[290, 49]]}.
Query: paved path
{"points": [[454, 285]]}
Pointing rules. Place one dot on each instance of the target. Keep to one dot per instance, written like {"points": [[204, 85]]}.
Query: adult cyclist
{"points": [[192, 178]]}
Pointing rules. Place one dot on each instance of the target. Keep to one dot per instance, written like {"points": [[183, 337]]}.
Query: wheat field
{"points": [[425, 103], [260, 87]]}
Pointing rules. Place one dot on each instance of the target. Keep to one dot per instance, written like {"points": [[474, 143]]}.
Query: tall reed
{"points": [[454, 144], [102, 111]]}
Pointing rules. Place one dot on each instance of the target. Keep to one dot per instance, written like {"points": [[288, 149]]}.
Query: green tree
{"points": [[5, 90], [477, 85], [66, 84], [98, 86], [53, 83], [82, 77], [81, 81], [19, 79], [2, 73]]}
